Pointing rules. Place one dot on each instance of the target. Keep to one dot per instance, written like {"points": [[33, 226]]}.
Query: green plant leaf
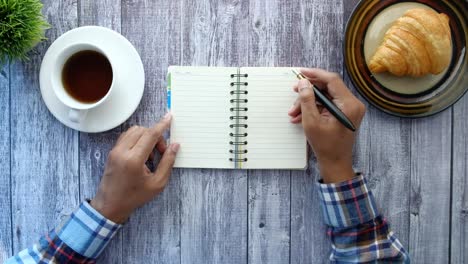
{"points": [[22, 27]]}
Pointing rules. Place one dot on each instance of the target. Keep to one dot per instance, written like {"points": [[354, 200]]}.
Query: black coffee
{"points": [[87, 76]]}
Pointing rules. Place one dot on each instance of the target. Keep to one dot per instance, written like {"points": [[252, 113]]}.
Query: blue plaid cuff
{"points": [[347, 203], [87, 232]]}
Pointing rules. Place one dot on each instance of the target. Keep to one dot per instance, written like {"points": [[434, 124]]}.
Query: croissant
{"points": [[416, 44]]}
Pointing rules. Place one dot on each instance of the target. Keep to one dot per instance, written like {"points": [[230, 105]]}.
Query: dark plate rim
{"points": [[375, 104]]}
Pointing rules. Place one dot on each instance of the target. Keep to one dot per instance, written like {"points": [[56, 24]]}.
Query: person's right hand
{"points": [[330, 140]]}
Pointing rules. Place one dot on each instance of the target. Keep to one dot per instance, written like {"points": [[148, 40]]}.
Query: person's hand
{"points": [[330, 140], [127, 182]]}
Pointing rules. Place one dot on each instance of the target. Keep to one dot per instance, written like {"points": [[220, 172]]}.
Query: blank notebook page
{"points": [[200, 110], [200, 102], [274, 143]]}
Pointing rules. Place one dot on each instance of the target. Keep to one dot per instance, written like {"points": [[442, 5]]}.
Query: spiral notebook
{"points": [[235, 118]]}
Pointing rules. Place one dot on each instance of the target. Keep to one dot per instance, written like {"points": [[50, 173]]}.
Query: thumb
{"points": [[332, 82], [307, 98], [163, 172]]}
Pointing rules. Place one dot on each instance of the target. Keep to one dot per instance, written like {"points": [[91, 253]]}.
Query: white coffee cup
{"points": [[78, 110]]}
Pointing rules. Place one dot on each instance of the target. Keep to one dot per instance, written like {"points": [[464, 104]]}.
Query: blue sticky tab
{"points": [[169, 91], [168, 99]]}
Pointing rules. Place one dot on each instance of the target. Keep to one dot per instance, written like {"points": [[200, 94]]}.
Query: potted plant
{"points": [[22, 27]]}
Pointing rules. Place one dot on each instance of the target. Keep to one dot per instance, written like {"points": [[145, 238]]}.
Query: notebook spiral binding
{"points": [[238, 118]]}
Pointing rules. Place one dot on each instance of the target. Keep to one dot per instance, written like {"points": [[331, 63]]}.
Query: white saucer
{"points": [[128, 72]]}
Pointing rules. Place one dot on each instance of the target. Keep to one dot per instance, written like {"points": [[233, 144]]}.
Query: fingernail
{"points": [[303, 85], [175, 147], [302, 89], [291, 108], [168, 116]]}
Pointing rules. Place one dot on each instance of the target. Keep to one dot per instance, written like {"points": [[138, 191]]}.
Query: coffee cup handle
{"points": [[76, 116]]}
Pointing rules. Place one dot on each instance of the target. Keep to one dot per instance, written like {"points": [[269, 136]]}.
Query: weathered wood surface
{"points": [[315, 45], [411, 182], [416, 169], [214, 202], [44, 153], [430, 188], [93, 148], [382, 153], [5, 180], [153, 27], [459, 212], [270, 35]]}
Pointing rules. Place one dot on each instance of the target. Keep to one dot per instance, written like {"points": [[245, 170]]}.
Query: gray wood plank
{"points": [[430, 188], [154, 29], [317, 43], [382, 153], [105, 13], [93, 152], [214, 202], [94, 148], [459, 231], [44, 153], [5, 186], [271, 24]]}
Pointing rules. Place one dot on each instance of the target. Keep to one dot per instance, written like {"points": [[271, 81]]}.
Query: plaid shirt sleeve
{"points": [[79, 239], [359, 234]]}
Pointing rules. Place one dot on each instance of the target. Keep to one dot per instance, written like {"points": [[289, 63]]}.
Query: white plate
{"points": [[373, 39], [129, 78]]}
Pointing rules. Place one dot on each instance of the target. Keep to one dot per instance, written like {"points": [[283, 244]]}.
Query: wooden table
{"points": [[416, 168]]}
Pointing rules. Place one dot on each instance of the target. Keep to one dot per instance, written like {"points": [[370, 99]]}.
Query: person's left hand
{"points": [[127, 182]]}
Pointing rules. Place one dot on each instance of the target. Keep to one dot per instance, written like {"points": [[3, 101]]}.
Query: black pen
{"points": [[334, 110]]}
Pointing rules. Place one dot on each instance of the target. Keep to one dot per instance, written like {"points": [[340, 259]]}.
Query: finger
{"points": [[307, 100], [329, 81], [125, 134], [151, 137], [320, 75], [320, 108], [325, 113], [295, 88], [130, 138], [121, 137], [161, 146], [297, 119], [151, 156], [163, 172], [295, 108]]}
